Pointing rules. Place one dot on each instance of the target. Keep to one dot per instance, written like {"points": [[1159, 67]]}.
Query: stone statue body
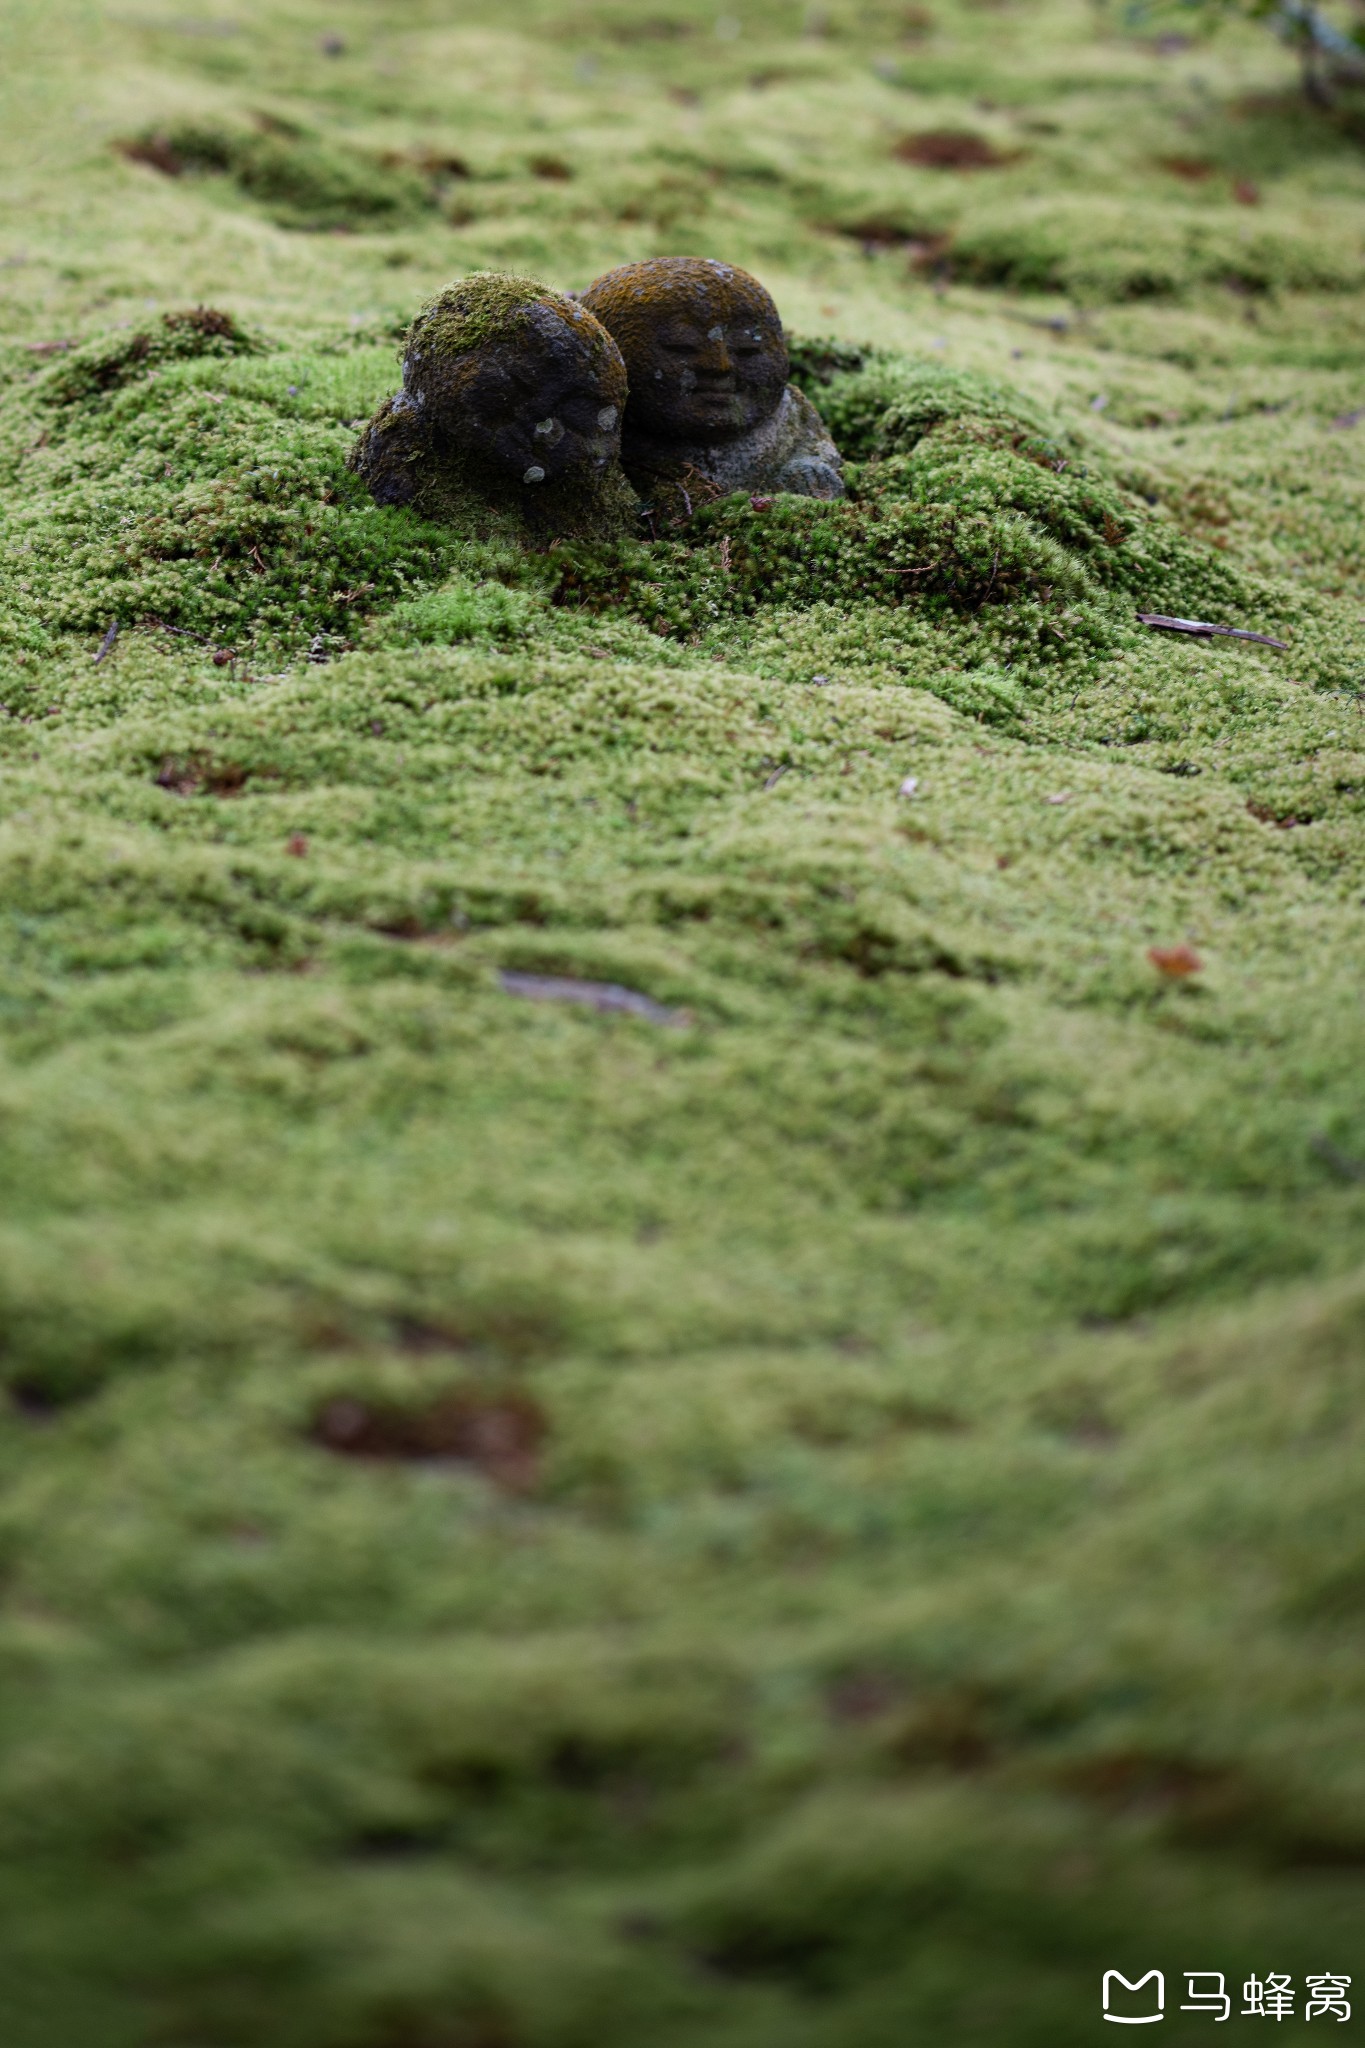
{"points": [[709, 400], [509, 419]]}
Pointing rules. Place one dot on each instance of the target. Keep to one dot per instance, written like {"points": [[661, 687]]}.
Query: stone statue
{"points": [[509, 420], [710, 408]]}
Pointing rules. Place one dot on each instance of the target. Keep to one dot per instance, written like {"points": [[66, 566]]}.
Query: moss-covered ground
{"points": [[894, 1550]]}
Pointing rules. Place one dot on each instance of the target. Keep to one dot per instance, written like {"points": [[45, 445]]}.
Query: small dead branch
{"points": [[1205, 628], [106, 646]]}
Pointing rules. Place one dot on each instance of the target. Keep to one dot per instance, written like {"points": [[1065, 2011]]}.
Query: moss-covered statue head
{"points": [[702, 342], [709, 397], [512, 403]]}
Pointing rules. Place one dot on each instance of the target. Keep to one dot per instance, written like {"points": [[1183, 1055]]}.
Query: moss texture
{"points": [[825, 1512]]}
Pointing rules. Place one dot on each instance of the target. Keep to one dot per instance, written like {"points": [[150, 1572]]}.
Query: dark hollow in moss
{"points": [[951, 149], [498, 1432]]}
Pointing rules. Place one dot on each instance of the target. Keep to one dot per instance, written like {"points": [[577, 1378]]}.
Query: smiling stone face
{"points": [[513, 400], [702, 343], [709, 399]]}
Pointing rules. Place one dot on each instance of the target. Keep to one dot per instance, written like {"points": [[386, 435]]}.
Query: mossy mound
{"points": [[101, 365], [1097, 250], [299, 179], [972, 500], [152, 487]]}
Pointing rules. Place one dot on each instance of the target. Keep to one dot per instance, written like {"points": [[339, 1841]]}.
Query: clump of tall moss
{"points": [[300, 179], [154, 494], [100, 365]]}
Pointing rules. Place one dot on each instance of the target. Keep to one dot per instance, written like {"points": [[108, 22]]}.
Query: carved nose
{"points": [[714, 359]]}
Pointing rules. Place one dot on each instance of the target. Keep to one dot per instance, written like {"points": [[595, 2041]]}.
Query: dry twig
{"points": [[1202, 626]]}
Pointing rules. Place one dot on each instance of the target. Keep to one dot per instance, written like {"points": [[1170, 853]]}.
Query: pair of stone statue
{"points": [[526, 408]]}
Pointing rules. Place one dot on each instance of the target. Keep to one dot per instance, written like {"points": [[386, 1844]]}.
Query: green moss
{"points": [[462, 610], [974, 501], [930, 1570], [1098, 251], [301, 180], [487, 307], [164, 501]]}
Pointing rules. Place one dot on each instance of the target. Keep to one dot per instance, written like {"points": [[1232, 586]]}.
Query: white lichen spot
{"points": [[534, 475]]}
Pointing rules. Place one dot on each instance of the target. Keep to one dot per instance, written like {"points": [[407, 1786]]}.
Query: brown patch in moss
{"points": [[878, 237], [198, 774], [652, 28], [500, 1433], [438, 164], [1265, 814], [861, 1696], [952, 149], [205, 320], [1076, 1411], [1200, 1802], [156, 150]]}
